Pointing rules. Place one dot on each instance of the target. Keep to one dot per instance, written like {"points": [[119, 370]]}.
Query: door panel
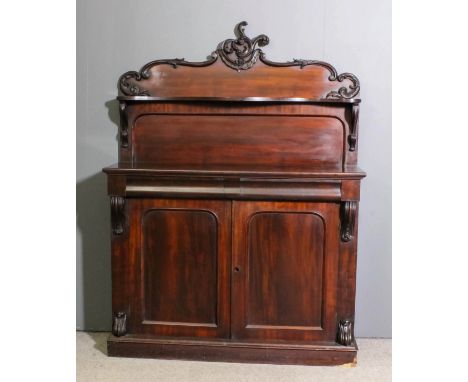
{"points": [[285, 272], [174, 241], [285, 267], [184, 268]]}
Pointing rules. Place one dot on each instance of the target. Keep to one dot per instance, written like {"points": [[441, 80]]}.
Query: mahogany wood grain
{"points": [[179, 266], [245, 189], [261, 80], [324, 354], [285, 264], [180, 277], [347, 275], [232, 115], [240, 171], [285, 274], [215, 139]]}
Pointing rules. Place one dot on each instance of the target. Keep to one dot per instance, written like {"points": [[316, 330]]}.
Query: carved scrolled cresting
{"points": [[119, 324], [123, 125], [345, 332], [348, 217], [239, 54], [342, 93], [130, 88], [117, 214]]}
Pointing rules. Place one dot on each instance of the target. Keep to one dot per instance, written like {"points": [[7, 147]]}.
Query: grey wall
{"points": [[116, 35]]}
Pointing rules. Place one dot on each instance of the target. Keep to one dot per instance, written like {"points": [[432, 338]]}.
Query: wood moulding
{"points": [[231, 351], [240, 54]]}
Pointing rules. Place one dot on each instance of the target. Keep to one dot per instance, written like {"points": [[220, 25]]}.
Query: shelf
{"points": [[231, 171], [245, 99]]}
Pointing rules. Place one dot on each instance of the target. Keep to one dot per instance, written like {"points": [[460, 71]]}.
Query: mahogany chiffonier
{"points": [[234, 209]]}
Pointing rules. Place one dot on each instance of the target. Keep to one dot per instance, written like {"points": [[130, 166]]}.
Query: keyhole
{"points": [[236, 269]]}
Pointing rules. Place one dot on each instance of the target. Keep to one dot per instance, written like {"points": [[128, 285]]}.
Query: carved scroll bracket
{"points": [[123, 125], [119, 324], [117, 214], [348, 217], [345, 332], [352, 137]]}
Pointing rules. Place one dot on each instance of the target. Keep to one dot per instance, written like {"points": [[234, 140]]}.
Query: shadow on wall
{"points": [[113, 113], [93, 213], [92, 205]]}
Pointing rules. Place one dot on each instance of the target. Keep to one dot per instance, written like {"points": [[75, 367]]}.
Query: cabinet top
{"points": [[239, 71], [238, 172]]}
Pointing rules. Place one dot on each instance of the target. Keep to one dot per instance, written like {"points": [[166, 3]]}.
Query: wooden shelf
{"points": [[242, 171], [238, 99]]}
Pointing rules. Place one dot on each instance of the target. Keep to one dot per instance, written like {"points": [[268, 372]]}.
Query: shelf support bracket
{"points": [[123, 124], [352, 137], [117, 214], [348, 217]]}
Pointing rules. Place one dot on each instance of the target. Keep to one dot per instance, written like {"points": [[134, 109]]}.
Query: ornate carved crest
{"points": [[240, 54]]}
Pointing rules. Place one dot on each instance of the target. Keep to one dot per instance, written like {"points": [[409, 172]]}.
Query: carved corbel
{"points": [[348, 217], [345, 332], [117, 214], [352, 137], [119, 324], [123, 125]]}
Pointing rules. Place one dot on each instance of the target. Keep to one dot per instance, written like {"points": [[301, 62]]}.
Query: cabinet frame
{"points": [[225, 136]]}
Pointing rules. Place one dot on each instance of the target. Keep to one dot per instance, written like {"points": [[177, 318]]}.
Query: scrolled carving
{"points": [[123, 125], [345, 332], [242, 53], [127, 80], [119, 324], [352, 137], [345, 92], [348, 217], [130, 88], [342, 93], [117, 214]]}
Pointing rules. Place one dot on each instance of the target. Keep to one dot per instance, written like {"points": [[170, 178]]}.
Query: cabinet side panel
{"points": [[179, 255]]}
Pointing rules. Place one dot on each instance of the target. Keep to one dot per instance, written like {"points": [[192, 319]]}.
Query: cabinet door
{"points": [[182, 261], [285, 270]]}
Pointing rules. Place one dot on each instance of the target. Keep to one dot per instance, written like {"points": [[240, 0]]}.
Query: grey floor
{"points": [[93, 365]]}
